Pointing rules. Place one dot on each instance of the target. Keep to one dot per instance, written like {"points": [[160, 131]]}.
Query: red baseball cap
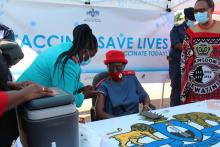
{"points": [[113, 56]]}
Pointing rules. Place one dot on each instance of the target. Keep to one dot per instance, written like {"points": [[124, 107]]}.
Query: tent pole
{"points": [[87, 2], [168, 9]]}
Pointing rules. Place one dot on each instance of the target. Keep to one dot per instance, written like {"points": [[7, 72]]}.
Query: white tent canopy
{"points": [[138, 4], [174, 5]]}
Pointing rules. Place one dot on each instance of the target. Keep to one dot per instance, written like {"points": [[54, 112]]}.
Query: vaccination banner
{"points": [[142, 34]]}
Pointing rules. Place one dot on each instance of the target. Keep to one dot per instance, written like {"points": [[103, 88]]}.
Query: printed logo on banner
{"points": [[187, 129], [92, 16]]}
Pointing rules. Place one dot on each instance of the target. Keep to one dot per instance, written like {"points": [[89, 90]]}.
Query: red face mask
{"points": [[116, 76]]}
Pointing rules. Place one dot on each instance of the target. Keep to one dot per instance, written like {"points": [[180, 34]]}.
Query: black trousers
{"points": [[175, 77]]}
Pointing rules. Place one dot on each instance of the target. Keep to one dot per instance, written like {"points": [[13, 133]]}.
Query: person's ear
{"points": [[210, 11], [124, 66]]}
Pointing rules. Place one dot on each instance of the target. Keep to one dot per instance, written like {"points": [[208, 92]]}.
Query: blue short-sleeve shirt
{"points": [[122, 98]]}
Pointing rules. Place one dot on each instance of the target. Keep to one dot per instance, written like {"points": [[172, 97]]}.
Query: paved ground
{"points": [[155, 90]]}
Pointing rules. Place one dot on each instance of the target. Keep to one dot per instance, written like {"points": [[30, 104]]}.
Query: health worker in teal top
{"points": [[59, 66]]}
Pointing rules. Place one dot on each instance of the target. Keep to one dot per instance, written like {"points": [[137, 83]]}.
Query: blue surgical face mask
{"points": [[85, 62], [201, 17], [190, 23]]}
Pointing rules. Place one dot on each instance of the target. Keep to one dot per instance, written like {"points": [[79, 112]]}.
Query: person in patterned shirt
{"points": [[201, 56]]}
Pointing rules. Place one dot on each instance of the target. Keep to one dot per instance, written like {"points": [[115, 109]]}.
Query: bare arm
{"points": [[100, 105], [146, 104], [146, 101], [26, 94]]}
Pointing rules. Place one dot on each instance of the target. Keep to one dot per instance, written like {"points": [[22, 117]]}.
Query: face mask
{"points": [[201, 17], [190, 23], [84, 63], [116, 76]]}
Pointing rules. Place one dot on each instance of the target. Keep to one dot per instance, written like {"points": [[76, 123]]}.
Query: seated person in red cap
{"points": [[120, 92]]}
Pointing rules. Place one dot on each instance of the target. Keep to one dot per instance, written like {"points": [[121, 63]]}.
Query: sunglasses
{"points": [[201, 10]]}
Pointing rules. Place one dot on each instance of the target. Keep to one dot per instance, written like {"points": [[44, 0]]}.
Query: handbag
{"points": [[11, 51]]}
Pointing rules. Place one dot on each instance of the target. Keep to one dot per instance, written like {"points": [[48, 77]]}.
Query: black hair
{"points": [[210, 3], [189, 13], [83, 38]]}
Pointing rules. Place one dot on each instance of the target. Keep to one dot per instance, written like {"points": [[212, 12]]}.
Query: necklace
{"points": [[207, 27]]}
